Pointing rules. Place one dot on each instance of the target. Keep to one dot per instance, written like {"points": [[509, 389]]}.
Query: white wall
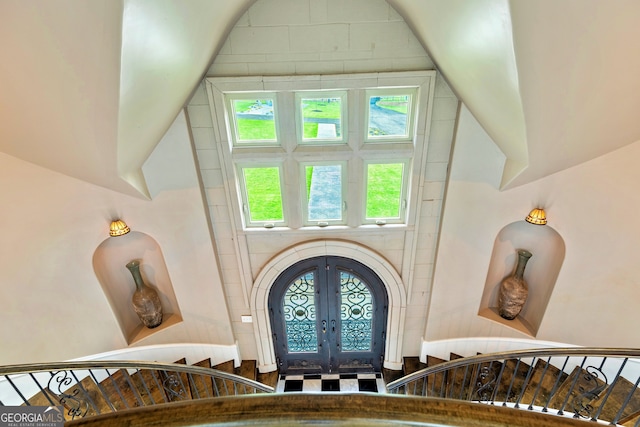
{"points": [[53, 305], [594, 208]]}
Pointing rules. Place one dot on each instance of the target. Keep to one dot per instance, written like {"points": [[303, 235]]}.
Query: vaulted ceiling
{"points": [[89, 88]]}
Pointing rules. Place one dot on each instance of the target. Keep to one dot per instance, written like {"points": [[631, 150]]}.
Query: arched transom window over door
{"points": [[328, 314]]}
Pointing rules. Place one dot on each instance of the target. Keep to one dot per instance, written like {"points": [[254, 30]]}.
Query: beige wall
{"points": [[592, 206], [54, 307]]}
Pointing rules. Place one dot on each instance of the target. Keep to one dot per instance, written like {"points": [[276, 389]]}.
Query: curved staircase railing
{"points": [[97, 387], [597, 384]]}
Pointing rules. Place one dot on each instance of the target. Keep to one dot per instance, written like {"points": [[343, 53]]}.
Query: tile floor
{"points": [[346, 383]]}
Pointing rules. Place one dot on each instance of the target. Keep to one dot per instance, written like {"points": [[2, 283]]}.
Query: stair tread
{"points": [[224, 387], [437, 384], [543, 382], [201, 386], [412, 364], [118, 390], [227, 366], [514, 376], [268, 378], [176, 384], [149, 385], [247, 369], [391, 374], [619, 393], [571, 393]]}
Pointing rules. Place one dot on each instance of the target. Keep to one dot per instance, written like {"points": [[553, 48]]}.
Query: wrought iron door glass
{"points": [[356, 313], [299, 310]]}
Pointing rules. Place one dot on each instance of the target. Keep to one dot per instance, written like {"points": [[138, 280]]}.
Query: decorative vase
{"points": [[514, 289], [146, 302]]}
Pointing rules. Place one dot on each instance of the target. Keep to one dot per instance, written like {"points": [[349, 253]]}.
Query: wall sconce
{"points": [[118, 228], [537, 217]]}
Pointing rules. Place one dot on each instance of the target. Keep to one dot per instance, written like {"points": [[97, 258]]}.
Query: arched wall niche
{"points": [[109, 264], [541, 273], [391, 279]]}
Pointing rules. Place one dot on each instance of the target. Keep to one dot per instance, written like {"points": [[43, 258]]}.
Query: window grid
{"points": [[292, 152]]}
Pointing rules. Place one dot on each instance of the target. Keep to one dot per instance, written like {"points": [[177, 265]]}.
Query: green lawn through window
{"points": [[264, 195], [384, 191]]}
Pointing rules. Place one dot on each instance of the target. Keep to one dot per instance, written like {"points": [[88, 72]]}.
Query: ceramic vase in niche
{"points": [[146, 301], [514, 289]]}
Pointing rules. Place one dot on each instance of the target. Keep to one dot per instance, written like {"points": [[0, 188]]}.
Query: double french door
{"points": [[328, 314]]}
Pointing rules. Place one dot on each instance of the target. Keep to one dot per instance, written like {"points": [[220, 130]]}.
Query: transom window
{"points": [[338, 155]]}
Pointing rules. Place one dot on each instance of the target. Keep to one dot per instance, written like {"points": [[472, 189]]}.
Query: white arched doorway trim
{"points": [[396, 294]]}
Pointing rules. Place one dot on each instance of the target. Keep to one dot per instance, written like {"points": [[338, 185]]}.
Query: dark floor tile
{"points": [[312, 377], [348, 376], [368, 385], [293, 385], [330, 385]]}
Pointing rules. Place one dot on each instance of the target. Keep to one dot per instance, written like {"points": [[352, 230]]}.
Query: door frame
{"points": [[396, 294], [329, 355]]}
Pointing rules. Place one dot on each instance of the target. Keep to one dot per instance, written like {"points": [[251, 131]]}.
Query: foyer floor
{"points": [[345, 383]]}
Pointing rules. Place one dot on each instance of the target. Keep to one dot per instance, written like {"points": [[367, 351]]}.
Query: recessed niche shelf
{"points": [[541, 273], [109, 264], [141, 332]]}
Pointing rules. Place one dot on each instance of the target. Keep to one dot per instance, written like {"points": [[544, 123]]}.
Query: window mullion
{"points": [[291, 192]]}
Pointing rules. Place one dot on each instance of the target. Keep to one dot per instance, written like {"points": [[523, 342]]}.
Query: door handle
{"points": [[324, 326], [333, 326]]}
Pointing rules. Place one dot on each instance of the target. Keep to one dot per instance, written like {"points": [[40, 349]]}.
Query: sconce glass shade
{"points": [[118, 228], [537, 217]]}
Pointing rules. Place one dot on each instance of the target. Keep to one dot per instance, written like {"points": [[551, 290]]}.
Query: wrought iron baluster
{"points": [[535, 394], [146, 388], [42, 390], [17, 390], [498, 381], [526, 383], [155, 374], [87, 397], [102, 391], [216, 391], [485, 381], [573, 384], [556, 385], [75, 406], [133, 388], [117, 388], [626, 402], [582, 403], [463, 388], [443, 383], [174, 386], [513, 378], [609, 390], [192, 386]]}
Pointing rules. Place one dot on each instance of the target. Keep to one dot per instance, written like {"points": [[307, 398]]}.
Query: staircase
{"points": [[583, 383], [590, 384], [87, 389]]}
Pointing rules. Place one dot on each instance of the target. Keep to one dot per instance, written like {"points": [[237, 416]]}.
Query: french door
{"points": [[328, 314]]}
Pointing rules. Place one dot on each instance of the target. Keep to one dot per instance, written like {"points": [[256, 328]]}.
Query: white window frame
{"points": [[304, 198], [244, 198], [356, 150], [404, 190], [343, 117], [234, 126], [411, 114]]}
